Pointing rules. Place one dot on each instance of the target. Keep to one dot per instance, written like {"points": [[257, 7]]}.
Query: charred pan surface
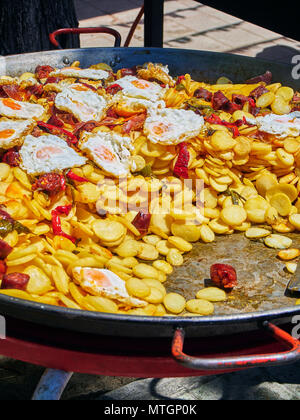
{"points": [[262, 278]]}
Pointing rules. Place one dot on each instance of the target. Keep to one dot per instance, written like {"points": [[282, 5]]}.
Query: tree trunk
{"points": [[25, 25]]}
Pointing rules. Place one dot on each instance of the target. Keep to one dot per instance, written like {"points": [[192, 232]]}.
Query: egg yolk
{"points": [[160, 129], [99, 278], [80, 88], [71, 68], [10, 103], [104, 154], [140, 84], [47, 152], [5, 134]]}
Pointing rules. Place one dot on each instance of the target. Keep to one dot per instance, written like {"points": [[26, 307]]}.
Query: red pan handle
{"points": [[242, 362], [100, 30]]}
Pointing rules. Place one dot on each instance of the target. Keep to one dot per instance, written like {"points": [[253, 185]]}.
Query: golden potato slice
{"points": [[281, 203], [212, 294], [174, 303], [200, 306], [108, 230], [289, 254], [234, 215], [287, 189], [278, 242], [257, 233]]}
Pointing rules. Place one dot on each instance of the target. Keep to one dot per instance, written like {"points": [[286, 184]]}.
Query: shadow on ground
{"points": [[279, 53]]}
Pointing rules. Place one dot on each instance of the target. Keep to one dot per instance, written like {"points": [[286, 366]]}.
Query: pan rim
{"points": [[176, 321], [149, 49]]}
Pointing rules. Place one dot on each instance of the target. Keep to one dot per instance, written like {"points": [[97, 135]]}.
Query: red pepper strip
{"points": [[215, 119], [89, 86], [113, 89], [75, 177], [63, 183], [56, 222], [73, 139], [182, 163], [179, 79]]}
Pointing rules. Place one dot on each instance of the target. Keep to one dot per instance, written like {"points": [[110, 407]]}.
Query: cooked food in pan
{"points": [[108, 179]]}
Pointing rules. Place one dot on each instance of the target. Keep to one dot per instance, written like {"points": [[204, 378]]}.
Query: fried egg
{"points": [[78, 73], [105, 283], [126, 106], [110, 151], [280, 125], [82, 102], [140, 89], [22, 110], [48, 153], [12, 132], [172, 126]]}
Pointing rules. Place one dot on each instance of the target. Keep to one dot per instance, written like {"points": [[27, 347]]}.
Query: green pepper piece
{"points": [[180, 87], [20, 228], [5, 227], [146, 171], [224, 81]]}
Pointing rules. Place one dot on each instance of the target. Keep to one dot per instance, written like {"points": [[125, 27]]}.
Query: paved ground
{"points": [[18, 381], [187, 25]]}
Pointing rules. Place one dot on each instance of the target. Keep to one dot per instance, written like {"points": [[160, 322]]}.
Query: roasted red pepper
{"points": [[42, 72], [134, 123], [36, 90], [215, 119], [75, 177], [56, 222], [52, 183], [15, 281], [3, 268], [142, 222], [89, 86], [223, 276], [113, 89], [12, 158], [58, 130], [12, 91], [128, 72], [182, 164], [5, 249], [55, 121], [179, 79], [84, 126]]}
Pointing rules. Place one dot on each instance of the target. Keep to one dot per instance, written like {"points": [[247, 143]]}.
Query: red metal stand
{"points": [[64, 352]]}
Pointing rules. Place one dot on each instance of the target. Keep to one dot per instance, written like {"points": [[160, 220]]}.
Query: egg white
{"points": [[22, 110], [140, 88], [48, 153], [82, 102], [280, 125], [109, 151], [91, 74], [99, 282], [172, 126], [137, 103], [12, 132]]}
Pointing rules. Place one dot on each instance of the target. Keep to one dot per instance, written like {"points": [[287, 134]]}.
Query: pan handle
{"points": [[100, 30], [243, 362]]}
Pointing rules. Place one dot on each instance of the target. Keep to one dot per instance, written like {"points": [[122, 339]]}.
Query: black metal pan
{"points": [[255, 301]]}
